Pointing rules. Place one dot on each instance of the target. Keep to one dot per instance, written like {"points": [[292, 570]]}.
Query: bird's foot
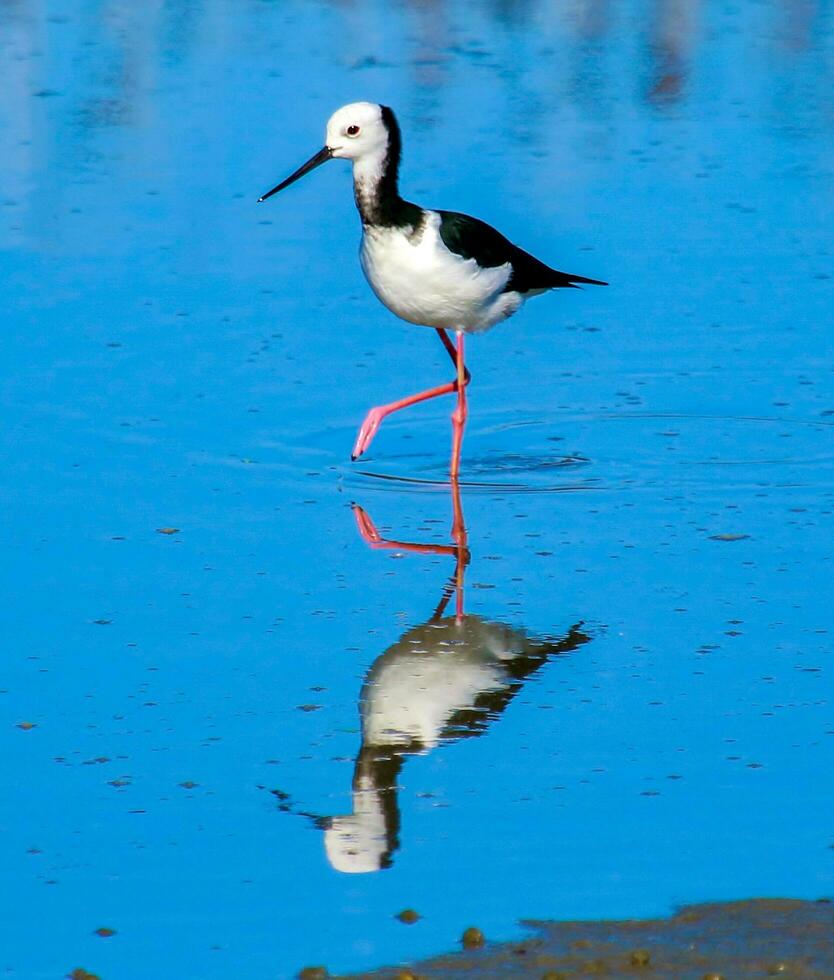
{"points": [[367, 431]]}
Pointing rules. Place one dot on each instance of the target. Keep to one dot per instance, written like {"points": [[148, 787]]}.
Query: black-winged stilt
{"points": [[439, 269]]}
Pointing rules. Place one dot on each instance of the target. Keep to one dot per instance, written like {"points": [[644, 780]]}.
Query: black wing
{"points": [[474, 239]]}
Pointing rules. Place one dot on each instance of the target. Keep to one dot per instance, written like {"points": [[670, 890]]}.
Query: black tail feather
{"points": [[564, 280], [529, 274], [573, 280]]}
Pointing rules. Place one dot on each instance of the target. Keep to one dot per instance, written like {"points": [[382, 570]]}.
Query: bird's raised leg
{"points": [[374, 418], [460, 413], [446, 340]]}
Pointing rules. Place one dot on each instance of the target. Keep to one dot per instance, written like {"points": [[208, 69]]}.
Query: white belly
{"points": [[421, 281]]}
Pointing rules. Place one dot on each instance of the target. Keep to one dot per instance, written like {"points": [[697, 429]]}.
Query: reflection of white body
{"points": [[441, 681], [415, 688]]}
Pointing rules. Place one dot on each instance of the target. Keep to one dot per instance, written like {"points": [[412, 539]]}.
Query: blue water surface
{"points": [[190, 610]]}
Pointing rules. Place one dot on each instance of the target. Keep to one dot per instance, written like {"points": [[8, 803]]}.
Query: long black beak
{"points": [[324, 154]]}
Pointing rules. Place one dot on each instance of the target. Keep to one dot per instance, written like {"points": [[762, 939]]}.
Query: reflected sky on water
{"points": [[652, 461]]}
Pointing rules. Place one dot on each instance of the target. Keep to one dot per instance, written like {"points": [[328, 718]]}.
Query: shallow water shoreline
{"points": [[753, 938]]}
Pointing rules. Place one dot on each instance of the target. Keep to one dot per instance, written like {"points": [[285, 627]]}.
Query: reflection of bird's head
{"points": [[365, 839], [355, 845]]}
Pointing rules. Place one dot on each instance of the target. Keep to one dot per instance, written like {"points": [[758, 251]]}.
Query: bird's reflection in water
{"points": [[447, 679]]}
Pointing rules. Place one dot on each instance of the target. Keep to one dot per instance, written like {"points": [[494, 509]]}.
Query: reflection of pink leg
{"points": [[460, 538], [372, 537], [459, 550], [460, 413], [374, 418]]}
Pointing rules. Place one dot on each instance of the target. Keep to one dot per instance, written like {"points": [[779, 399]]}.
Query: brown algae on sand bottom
{"points": [[408, 917], [734, 940], [472, 938]]}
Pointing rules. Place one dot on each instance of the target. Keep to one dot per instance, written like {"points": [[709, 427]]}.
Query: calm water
{"points": [[645, 663]]}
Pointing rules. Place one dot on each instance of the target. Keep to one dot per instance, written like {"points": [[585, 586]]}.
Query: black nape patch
{"points": [[381, 205]]}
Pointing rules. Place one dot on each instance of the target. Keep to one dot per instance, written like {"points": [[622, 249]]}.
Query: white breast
{"points": [[421, 281]]}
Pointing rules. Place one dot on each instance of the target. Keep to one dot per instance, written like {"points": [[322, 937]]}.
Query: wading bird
{"points": [[438, 269]]}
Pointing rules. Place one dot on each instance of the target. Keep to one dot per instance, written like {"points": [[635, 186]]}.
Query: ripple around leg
{"points": [[612, 452], [510, 474]]}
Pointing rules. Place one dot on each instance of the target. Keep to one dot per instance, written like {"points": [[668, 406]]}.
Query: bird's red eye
{"points": [[352, 130]]}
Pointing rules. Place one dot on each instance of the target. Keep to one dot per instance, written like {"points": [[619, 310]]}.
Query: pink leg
{"points": [[460, 538], [460, 413], [374, 418], [452, 352], [459, 535]]}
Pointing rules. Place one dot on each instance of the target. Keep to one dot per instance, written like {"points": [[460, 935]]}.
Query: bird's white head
{"points": [[357, 130], [363, 132]]}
